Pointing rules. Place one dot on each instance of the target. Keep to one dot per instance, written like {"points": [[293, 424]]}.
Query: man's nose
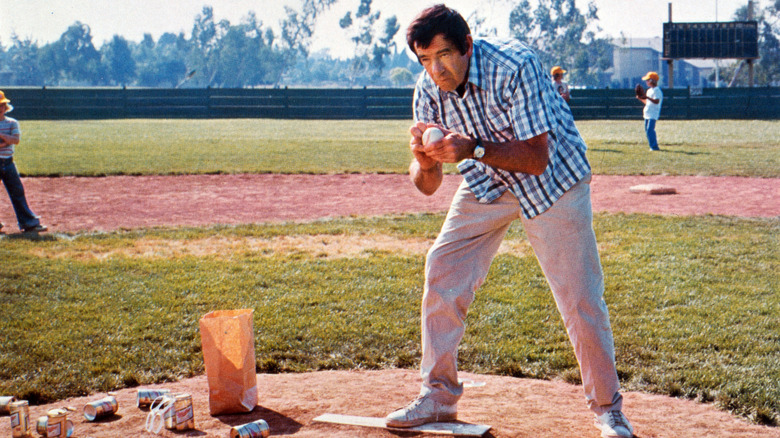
{"points": [[437, 67]]}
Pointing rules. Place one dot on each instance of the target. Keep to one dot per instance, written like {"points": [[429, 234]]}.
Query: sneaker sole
{"points": [[444, 418], [607, 435]]}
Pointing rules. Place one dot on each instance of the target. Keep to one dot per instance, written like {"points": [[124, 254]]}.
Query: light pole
{"points": [[717, 64]]}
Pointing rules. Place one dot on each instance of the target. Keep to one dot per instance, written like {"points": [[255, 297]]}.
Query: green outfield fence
{"points": [[45, 103]]}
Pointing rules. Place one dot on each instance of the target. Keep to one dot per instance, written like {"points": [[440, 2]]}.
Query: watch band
{"points": [[479, 150]]}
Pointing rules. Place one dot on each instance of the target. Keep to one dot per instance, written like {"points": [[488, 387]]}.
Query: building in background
{"points": [[633, 57]]}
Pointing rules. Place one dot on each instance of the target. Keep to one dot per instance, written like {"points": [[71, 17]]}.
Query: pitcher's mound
{"points": [[513, 407]]}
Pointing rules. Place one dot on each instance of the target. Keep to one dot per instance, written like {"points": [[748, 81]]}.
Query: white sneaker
{"points": [[614, 424], [421, 411]]}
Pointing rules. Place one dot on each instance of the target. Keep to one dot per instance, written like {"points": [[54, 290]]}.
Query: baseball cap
{"points": [[557, 69], [651, 75]]}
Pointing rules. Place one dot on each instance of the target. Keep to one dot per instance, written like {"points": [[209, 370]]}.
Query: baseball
{"points": [[432, 135]]}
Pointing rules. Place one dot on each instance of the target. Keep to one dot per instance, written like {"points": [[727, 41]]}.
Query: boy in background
{"points": [[10, 135], [652, 99]]}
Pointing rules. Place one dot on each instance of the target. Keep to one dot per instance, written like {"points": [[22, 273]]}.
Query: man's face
{"points": [[444, 63]]}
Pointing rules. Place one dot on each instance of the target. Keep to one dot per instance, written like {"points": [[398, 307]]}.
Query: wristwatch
{"points": [[479, 150]]}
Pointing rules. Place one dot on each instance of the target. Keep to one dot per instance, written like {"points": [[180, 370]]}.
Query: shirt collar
{"points": [[474, 74]]}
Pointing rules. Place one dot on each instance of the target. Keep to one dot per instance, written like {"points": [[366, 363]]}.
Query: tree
{"points": [[362, 37], [561, 35], [3, 58], [298, 27], [386, 45], [767, 68], [23, 58], [770, 44], [118, 61], [204, 54], [401, 76], [245, 58], [370, 52], [217, 54], [73, 58], [162, 64]]}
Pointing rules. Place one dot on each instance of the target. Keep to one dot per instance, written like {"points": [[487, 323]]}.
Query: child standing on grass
{"points": [[10, 136], [652, 100]]}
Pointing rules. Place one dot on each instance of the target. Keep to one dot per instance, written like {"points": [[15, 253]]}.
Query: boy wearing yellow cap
{"points": [[10, 136], [652, 100], [560, 86]]}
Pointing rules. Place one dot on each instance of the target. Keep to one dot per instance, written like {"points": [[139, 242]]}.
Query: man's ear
{"points": [[469, 45]]}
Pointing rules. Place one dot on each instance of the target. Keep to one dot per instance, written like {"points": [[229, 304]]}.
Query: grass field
{"points": [[112, 147], [694, 301]]}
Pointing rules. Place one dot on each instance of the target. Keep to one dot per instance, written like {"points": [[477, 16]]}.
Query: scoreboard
{"points": [[736, 40]]}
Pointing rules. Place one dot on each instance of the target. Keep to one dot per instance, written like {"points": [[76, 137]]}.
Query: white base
{"points": [[653, 189], [463, 429]]}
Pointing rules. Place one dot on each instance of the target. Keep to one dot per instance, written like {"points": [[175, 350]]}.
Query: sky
{"points": [[44, 21]]}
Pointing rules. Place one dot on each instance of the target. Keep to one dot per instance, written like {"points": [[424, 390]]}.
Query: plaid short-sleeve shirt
{"points": [[508, 97]]}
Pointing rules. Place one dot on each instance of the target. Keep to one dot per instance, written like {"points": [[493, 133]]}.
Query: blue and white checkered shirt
{"points": [[509, 96]]}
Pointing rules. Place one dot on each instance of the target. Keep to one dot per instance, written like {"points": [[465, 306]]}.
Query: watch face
{"points": [[479, 152]]}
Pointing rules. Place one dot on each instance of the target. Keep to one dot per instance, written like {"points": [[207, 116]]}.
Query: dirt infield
{"points": [[512, 407], [289, 402], [73, 204]]}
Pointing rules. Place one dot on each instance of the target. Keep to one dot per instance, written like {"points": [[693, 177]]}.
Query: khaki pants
{"points": [[565, 246]]}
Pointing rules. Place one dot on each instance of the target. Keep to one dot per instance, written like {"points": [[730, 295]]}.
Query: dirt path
{"points": [[71, 204], [289, 402]]}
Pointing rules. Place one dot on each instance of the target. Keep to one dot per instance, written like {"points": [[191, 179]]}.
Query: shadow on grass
{"points": [[671, 151], [34, 237], [612, 151]]}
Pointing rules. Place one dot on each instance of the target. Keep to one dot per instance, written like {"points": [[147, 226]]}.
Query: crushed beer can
{"points": [[101, 408], [42, 426], [159, 410], [20, 418], [181, 415], [57, 424], [255, 429], [147, 396], [5, 401]]}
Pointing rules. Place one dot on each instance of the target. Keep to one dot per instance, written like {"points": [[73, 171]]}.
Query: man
{"points": [[562, 87], [10, 136], [521, 157], [652, 100]]}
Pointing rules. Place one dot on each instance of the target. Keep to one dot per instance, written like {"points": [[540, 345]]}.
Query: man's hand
{"points": [[425, 171], [418, 149], [452, 148]]}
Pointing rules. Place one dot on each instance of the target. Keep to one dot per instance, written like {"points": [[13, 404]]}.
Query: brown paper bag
{"points": [[228, 341]]}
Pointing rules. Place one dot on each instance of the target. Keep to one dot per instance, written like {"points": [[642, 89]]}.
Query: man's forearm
{"points": [[527, 156]]}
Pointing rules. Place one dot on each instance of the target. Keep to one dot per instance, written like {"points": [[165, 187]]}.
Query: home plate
{"points": [[463, 429], [653, 189]]}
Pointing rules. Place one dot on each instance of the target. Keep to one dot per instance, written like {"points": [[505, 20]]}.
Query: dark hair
{"points": [[438, 19]]}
